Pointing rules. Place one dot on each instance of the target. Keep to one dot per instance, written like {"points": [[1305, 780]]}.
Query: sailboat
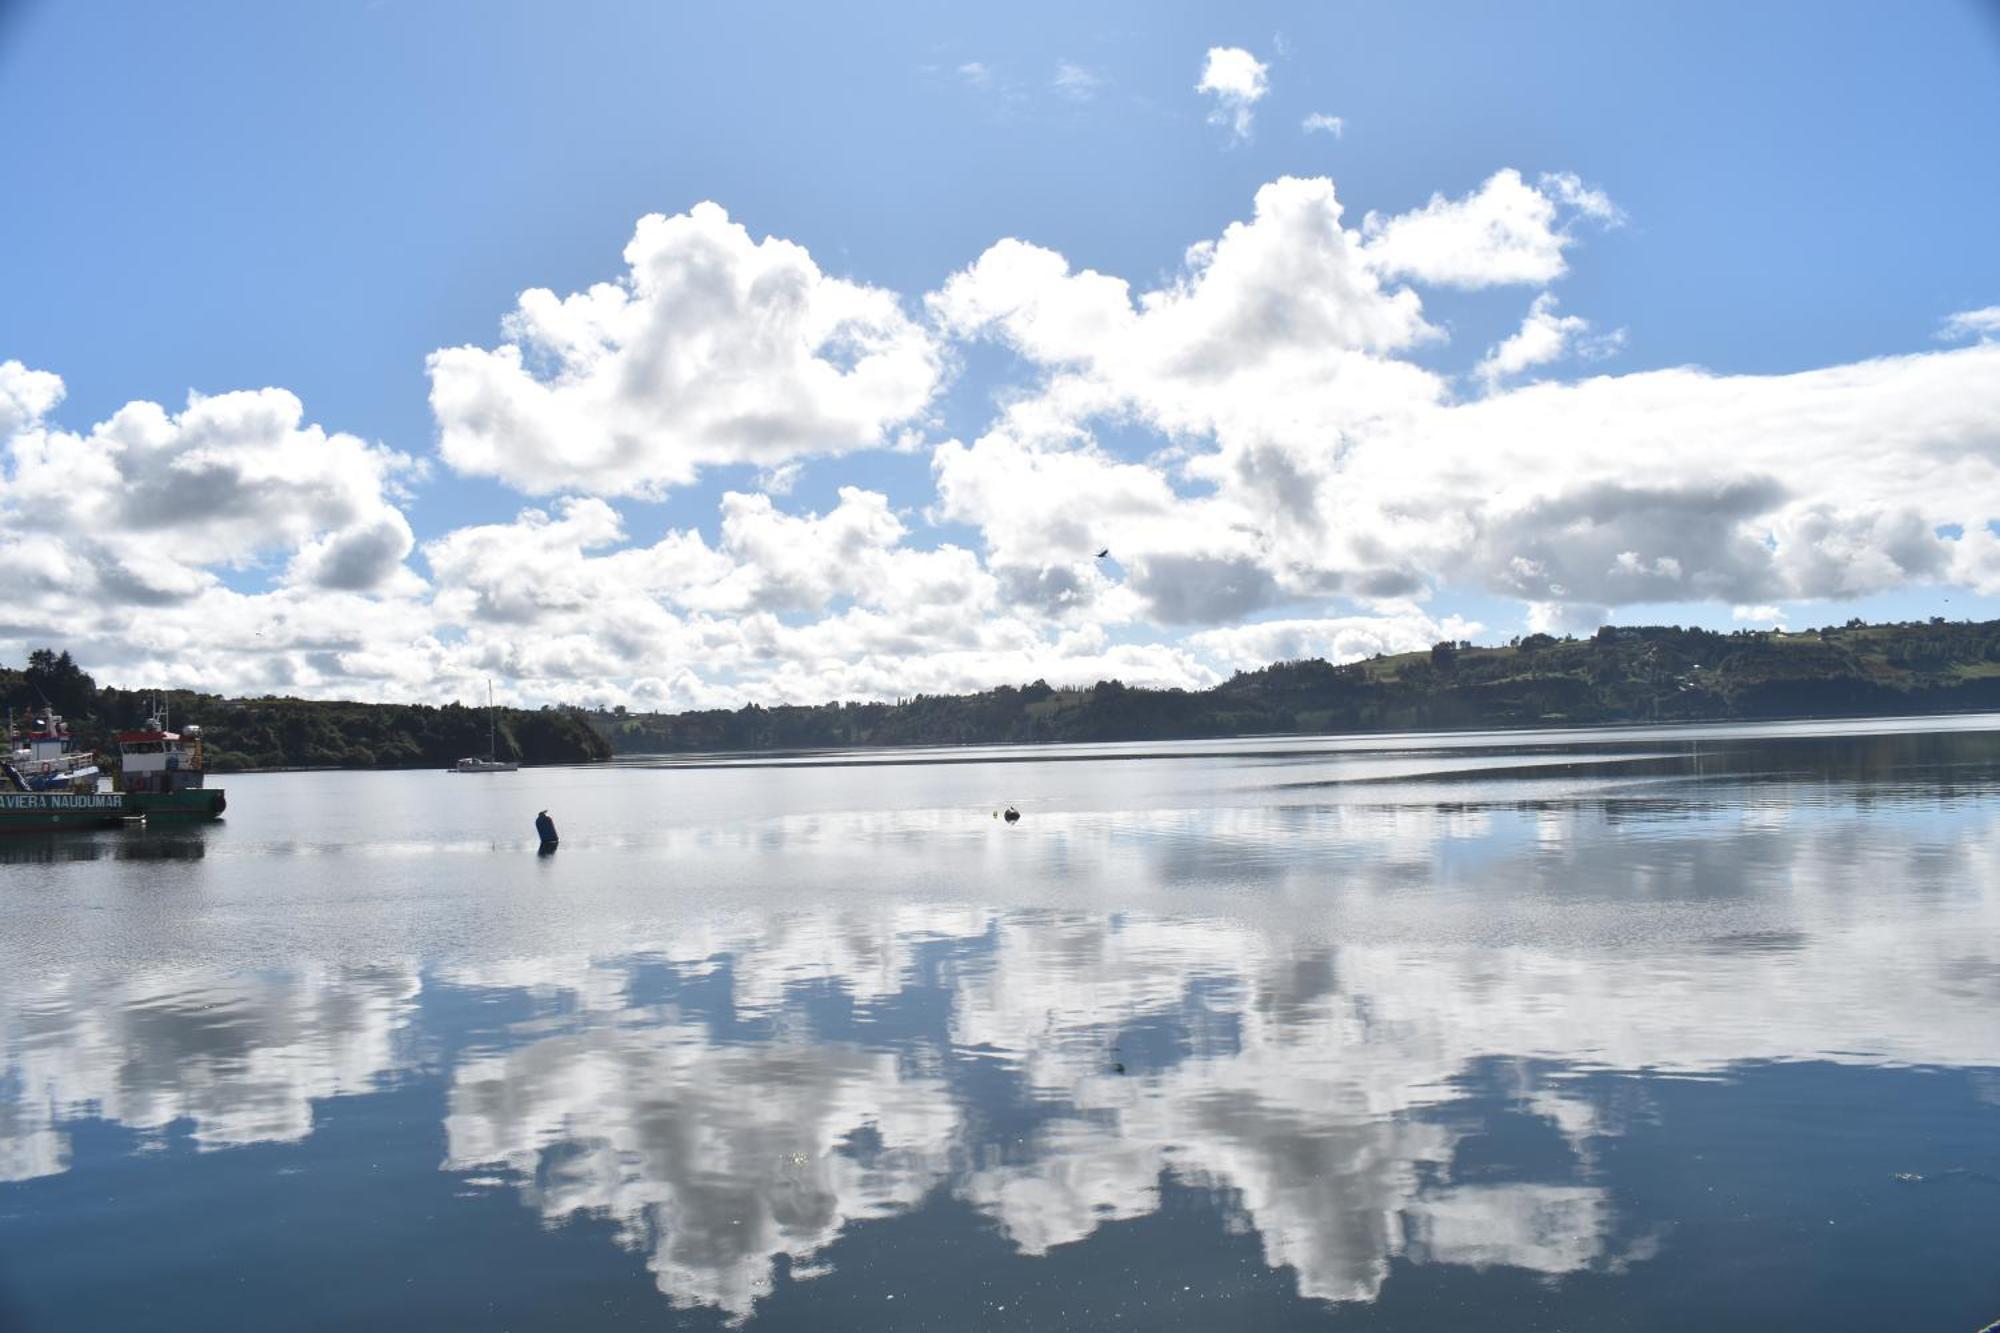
{"points": [[492, 763]]}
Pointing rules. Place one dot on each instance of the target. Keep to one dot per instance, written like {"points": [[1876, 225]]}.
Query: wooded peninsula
{"points": [[273, 733], [1621, 674]]}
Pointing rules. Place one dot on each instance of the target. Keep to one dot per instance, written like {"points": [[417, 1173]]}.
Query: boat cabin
{"points": [[46, 756], [46, 739], [154, 759]]}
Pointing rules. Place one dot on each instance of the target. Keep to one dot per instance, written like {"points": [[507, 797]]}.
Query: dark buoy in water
{"points": [[1012, 816], [545, 829]]}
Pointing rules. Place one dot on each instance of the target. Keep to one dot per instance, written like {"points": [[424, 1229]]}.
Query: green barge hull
{"points": [[42, 811], [187, 803], [49, 811]]}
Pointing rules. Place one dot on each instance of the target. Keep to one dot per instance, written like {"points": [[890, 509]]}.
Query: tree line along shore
{"points": [[242, 735], [1621, 674]]}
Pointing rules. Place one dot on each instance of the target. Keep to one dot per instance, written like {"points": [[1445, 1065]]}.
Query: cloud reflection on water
{"points": [[712, 1160], [240, 1058], [741, 1093]]}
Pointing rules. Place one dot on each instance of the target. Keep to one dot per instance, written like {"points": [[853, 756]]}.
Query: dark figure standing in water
{"points": [[545, 828]]}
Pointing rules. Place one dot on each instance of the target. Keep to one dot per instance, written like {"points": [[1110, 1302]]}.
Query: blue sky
{"points": [[224, 197]]}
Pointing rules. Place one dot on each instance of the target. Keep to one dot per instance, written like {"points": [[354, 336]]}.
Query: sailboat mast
{"points": [[492, 729]]}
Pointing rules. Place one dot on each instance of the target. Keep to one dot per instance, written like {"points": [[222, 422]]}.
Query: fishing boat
{"points": [[47, 784], [45, 758], [162, 774], [492, 763]]}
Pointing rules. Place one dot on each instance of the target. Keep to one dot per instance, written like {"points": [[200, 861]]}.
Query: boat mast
{"points": [[492, 730]]}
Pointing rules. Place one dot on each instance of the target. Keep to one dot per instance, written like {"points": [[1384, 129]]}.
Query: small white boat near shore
{"points": [[483, 766], [492, 763]]}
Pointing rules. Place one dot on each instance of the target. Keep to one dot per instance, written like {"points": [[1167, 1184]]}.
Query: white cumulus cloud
{"points": [[1302, 454], [1507, 231], [1237, 81], [1758, 615], [1544, 337], [1983, 324], [1335, 638], [1266, 442], [146, 504], [711, 349]]}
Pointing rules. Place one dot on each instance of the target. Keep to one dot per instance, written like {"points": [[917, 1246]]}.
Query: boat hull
{"points": [[187, 803], [42, 811]]}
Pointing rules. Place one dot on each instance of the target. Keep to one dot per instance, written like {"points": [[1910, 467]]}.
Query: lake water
{"points": [[1687, 1028]]}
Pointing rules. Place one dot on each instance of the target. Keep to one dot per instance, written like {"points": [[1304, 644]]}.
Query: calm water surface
{"points": [[1619, 1030]]}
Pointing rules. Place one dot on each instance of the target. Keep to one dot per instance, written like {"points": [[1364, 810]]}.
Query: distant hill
{"points": [[1620, 674], [303, 733]]}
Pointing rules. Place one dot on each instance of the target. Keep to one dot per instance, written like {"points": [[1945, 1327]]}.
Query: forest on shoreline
{"points": [[1621, 674], [1662, 673], [274, 733]]}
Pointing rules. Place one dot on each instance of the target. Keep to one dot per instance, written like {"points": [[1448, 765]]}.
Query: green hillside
{"points": [[1620, 674]]}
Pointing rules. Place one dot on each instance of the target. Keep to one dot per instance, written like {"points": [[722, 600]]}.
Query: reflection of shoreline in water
{"points": [[1846, 733], [751, 1087]]}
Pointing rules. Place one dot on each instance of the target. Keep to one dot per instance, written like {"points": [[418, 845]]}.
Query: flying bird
{"points": [[1106, 551]]}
